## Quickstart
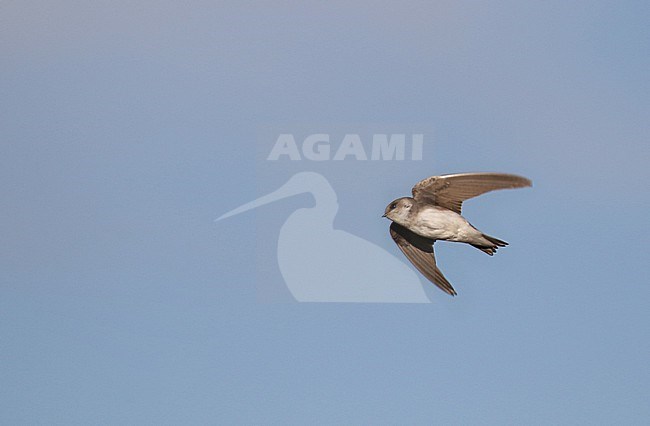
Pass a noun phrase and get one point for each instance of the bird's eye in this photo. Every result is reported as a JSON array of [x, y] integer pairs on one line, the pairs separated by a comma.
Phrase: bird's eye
[[393, 206]]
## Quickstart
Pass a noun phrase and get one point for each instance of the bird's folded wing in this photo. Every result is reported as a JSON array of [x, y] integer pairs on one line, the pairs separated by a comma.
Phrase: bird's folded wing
[[449, 191], [419, 250]]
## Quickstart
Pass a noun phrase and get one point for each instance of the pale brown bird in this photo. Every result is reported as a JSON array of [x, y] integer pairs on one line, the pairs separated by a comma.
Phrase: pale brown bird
[[433, 213]]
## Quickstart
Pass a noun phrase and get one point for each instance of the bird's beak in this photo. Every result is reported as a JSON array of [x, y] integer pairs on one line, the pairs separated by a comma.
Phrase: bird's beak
[[383, 215]]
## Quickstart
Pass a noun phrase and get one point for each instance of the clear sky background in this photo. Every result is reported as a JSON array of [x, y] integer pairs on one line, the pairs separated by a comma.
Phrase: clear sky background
[[126, 128]]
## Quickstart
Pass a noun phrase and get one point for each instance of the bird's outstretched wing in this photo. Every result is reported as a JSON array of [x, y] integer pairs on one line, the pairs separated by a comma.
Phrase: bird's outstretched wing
[[449, 191], [419, 250]]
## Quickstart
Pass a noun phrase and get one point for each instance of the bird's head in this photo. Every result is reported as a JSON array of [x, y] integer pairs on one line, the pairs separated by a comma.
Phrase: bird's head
[[399, 210]]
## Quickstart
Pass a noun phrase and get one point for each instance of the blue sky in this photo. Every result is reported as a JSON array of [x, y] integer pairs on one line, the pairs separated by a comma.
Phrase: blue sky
[[127, 128]]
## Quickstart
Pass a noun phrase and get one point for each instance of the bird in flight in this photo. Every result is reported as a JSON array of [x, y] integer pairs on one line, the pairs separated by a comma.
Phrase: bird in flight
[[433, 213]]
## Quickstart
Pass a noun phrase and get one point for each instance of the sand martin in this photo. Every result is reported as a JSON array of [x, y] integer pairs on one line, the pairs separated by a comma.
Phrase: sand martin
[[433, 213]]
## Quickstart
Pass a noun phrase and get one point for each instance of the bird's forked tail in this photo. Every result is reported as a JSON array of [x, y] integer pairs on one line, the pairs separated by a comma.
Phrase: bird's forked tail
[[491, 248]]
